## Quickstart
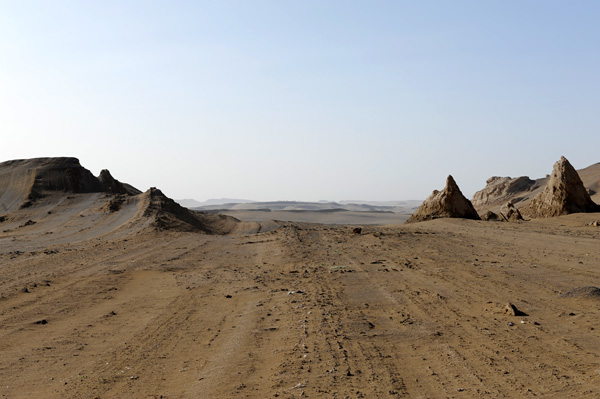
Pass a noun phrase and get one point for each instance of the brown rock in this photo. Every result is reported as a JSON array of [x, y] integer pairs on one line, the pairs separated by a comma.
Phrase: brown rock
[[448, 203], [169, 215], [511, 213], [512, 310], [113, 185], [490, 216], [25, 181], [586, 292], [500, 189], [564, 193]]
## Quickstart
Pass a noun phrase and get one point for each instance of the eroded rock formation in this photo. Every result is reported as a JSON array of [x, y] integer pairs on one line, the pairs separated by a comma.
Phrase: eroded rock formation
[[448, 203], [501, 189], [511, 213], [564, 193]]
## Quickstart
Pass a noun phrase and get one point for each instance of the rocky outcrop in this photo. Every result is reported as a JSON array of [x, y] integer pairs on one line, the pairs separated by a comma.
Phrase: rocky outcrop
[[448, 203], [564, 194], [24, 181], [511, 213], [169, 215], [114, 186], [583, 292], [490, 216], [110, 182], [63, 174], [501, 189], [508, 213]]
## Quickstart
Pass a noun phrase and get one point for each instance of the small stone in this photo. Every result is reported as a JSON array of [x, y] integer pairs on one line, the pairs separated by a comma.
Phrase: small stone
[[513, 311]]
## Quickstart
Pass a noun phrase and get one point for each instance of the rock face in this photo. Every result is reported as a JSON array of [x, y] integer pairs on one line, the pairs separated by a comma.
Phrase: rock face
[[448, 203], [62, 174], [115, 186], [501, 189], [564, 193], [24, 181]]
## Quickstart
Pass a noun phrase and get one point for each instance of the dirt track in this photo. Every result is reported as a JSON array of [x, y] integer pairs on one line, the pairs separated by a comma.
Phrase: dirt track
[[121, 311]]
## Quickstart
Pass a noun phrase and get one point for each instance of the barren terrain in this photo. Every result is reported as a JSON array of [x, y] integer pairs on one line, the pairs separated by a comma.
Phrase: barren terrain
[[102, 304], [320, 217]]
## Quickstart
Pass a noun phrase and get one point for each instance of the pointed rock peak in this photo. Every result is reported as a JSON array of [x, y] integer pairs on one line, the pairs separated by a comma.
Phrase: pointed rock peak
[[452, 187], [564, 160], [451, 183], [168, 215], [166, 211], [160, 201], [564, 193], [110, 183], [564, 170], [105, 175], [113, 185], [448, 203], [156, 193]]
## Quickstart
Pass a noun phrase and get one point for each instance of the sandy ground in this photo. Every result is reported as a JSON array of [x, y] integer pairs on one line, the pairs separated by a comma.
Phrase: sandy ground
[[321, 217], [117, 310]]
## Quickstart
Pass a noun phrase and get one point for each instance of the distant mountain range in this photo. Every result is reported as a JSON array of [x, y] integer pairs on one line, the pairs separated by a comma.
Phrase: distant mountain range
[[354, 206], [192, 203]]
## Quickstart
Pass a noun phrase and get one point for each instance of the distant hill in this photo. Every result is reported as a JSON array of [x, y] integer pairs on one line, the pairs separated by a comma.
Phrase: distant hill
[[391, 207], [192, 203]]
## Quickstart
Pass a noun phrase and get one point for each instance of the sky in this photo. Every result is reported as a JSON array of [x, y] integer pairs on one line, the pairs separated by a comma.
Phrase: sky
[[302, 99]]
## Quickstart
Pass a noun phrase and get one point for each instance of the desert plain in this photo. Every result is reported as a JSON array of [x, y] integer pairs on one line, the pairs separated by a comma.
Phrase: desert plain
[[106, 295]]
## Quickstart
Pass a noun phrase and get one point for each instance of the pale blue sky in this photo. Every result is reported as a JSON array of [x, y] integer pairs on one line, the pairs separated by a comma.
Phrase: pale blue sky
[[302, 100]]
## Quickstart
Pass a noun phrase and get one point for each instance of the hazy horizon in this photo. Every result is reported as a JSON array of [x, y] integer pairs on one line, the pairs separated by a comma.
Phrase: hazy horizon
[[211, 201], [302, 100]]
